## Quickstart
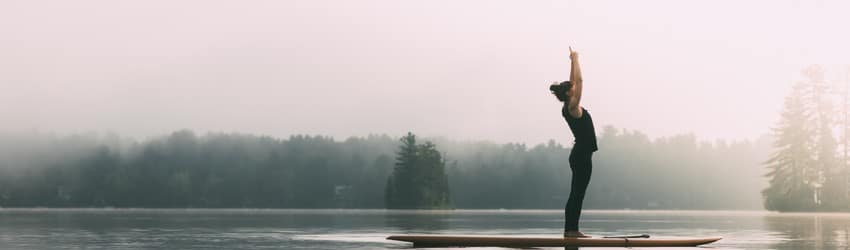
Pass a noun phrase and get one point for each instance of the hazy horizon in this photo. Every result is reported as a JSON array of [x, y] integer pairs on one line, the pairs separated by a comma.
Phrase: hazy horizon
[[474, 70]]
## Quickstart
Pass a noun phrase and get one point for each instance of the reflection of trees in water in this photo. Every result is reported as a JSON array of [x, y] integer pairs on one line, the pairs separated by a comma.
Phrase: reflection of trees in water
[[418, 221], [811, 231]]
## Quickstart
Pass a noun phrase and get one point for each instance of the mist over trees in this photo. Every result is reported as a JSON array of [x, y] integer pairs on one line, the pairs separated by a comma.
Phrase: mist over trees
[[216, 170], [809, 167]]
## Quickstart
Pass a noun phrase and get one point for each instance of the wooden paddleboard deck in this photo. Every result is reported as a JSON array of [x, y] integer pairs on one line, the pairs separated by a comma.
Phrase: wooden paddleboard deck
[[518, 241]]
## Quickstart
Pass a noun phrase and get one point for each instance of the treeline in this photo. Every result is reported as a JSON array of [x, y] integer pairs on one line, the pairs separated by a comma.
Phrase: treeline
[[238, 170]]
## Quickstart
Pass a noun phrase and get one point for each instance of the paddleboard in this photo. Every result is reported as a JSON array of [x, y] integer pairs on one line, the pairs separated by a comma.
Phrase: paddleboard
[[521, 241]]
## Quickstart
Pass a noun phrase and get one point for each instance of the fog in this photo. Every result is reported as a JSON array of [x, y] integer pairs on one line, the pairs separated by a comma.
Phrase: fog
[[470, 70], [219, 170]]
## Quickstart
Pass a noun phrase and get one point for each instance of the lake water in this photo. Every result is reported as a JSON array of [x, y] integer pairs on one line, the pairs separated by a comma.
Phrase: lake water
[[366, 229]]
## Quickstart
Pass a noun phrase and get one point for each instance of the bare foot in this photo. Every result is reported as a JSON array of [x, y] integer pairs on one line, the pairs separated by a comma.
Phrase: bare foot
[[575, 234]]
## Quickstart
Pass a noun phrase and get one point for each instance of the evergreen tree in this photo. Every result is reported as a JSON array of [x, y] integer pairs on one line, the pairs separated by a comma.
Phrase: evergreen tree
[[818, 101], [419, 179], [827, 178], [432, 183], [399, 192], [791, 164]]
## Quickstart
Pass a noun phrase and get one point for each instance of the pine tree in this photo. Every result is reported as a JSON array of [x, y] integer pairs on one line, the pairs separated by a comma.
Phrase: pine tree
[[818, 103], [400, 193], [828, 177], [791, 171], [433, 184], [418, 179]]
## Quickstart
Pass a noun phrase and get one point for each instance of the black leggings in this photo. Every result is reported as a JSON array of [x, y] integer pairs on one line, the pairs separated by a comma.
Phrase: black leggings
[[581, 165]]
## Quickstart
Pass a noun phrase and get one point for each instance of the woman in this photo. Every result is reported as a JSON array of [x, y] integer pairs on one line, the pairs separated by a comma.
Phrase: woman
[[581, 126]]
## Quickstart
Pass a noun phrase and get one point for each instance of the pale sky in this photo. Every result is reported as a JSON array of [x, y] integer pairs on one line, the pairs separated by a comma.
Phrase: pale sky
[[468, 70]]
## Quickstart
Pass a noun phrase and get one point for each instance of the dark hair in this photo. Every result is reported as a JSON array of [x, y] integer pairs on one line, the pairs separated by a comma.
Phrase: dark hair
[[560, 90]]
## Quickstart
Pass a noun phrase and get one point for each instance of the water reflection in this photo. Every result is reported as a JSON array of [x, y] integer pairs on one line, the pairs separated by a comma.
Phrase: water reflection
[[366, 229], [417, 222], [810, 231]]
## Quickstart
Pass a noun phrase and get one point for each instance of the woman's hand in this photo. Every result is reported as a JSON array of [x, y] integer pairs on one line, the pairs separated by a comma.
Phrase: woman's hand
[[573, 54]]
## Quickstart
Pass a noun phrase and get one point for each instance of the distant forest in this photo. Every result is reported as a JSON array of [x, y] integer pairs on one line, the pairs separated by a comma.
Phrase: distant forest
[[218, 170]]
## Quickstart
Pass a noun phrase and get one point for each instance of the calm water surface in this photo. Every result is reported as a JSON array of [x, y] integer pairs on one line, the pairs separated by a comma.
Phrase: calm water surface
[[366, 229]]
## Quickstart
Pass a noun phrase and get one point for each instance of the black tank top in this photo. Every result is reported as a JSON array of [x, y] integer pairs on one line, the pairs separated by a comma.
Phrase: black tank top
[[582, 129]]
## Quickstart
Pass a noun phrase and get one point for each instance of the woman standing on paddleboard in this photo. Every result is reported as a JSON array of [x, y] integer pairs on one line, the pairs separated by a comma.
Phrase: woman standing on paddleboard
[[581, 125]]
